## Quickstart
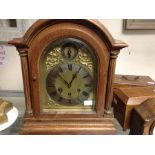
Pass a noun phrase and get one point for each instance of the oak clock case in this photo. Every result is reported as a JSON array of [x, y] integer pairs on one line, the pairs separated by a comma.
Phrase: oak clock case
[[68, 79], [152, 129], [68, 69]]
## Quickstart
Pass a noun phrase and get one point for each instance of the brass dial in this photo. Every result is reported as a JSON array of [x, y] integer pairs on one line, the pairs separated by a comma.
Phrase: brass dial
[[69, 84], [68, 81]]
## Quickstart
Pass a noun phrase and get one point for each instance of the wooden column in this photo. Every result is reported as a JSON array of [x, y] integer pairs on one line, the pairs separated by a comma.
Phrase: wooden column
[[111, 74], [25, 70]]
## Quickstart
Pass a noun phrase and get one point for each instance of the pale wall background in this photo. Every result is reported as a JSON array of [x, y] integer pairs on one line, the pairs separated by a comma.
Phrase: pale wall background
[[137, 59]]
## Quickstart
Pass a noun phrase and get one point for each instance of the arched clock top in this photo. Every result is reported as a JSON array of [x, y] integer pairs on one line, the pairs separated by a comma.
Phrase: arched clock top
[[92, 24]]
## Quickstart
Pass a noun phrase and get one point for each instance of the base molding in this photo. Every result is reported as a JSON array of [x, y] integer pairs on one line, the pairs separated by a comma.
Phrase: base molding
[[82, 126]]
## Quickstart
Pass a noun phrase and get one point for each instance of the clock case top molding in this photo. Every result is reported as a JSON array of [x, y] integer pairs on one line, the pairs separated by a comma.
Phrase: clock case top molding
[[30, 48]]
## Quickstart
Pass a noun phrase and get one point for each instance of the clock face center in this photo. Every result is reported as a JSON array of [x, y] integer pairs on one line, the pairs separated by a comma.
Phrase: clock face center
[[72, 88]]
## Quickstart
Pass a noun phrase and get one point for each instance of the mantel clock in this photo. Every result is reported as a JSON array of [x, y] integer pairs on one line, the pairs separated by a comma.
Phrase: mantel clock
[[68, 68]]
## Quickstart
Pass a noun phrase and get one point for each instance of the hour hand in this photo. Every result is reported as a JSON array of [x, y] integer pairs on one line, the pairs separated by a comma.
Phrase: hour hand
[[73, 77], [64, 80]]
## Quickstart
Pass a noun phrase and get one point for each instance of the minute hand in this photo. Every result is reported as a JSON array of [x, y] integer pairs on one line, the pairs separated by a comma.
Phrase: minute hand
[[64, 80], [74, 76]]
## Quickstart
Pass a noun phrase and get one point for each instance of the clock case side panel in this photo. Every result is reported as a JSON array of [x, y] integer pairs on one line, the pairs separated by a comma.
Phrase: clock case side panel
[[22, 48], [63, 30], [110, 81]]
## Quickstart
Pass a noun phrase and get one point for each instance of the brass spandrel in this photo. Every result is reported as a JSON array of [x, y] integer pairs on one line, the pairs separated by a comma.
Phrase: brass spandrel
[[85, 59], [53, 58]]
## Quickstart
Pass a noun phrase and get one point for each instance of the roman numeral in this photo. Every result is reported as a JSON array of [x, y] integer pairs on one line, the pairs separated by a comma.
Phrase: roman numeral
[[85, 93], [51, 85], [53, 93], [51, 78], [60, 69], [85, 76], [60, 99], [70, 67], [69, 101], [88, 85], [79, 70], [69, 94], [60, 90]]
